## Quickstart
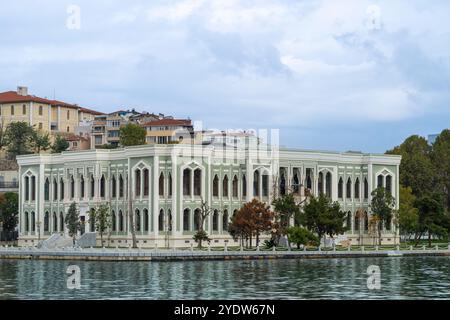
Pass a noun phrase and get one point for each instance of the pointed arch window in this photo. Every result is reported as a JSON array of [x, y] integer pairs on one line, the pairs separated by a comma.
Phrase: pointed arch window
[[256, 184], [197, 182], [72, 187], [169, 217], [46, 222], [61, 189], [161, 184], [120, 221], [146, 220], [61, 222], [340, 188], [102, 186], [47, 190], [235, 187], [138, 220], [244, 186], [366, 189], [161, 220], [216, 186], [92, 186], [137, 185], [320, 183], [225, 220], [146, 182], [82, 186], [215, 226], [328, 185], [170, 184], [55, 189], [197, 219], [187, 182], [389, 184], [55, 222], [357, 187], [121, 186], [186, 220], [113, 187], [265, 185], [348, 190], [225, 187]]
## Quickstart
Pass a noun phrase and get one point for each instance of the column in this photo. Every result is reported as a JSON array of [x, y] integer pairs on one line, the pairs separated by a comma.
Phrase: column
[[155, 181]]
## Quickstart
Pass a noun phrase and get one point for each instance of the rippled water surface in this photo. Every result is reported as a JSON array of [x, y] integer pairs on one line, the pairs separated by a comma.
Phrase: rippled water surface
[[401, 278]]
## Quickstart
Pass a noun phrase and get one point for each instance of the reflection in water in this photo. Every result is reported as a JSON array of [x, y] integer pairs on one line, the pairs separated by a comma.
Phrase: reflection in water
[[401, 278]]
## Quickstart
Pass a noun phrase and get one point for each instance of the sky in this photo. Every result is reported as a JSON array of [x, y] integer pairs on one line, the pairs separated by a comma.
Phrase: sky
[[330, 75]]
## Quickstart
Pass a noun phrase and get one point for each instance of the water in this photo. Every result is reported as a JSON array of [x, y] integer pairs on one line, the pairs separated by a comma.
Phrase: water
[[401, 278]]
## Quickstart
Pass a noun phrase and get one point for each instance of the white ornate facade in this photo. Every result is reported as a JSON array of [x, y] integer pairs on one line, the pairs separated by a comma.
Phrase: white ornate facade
[[167, 183]]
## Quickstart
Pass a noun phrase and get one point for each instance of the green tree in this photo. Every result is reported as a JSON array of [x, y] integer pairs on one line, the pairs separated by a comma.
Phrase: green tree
[[9, 209], [73, 221], [408, 215], [432, 219], [323, 217], [101, 217], [132, 135], [60, 144], [201, 235], [18, 137], [440, 156], [416, 168], [301, 236], [382, 206], [285, 208], [40, 141]]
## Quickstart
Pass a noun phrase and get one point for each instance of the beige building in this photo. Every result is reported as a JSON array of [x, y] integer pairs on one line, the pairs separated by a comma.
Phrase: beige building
[[51, 116], [166, 131]]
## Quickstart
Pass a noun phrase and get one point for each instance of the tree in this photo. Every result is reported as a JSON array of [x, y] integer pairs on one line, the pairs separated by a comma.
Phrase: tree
[[440, 157], [323, 217], [253, 219], [40, 141], [101, 219], [201, 235], [132, 135], [416, 169], [285, 208], [72, 221], [18, 137], [301, 236], [382, 206], [60, 144], [9, 209], [408, 215], [432, 220]]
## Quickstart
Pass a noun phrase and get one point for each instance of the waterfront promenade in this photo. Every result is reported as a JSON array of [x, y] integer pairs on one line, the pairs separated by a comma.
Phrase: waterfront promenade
[[128, 254]]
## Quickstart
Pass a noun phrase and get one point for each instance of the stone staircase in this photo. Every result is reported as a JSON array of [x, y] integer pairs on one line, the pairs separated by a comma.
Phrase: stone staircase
[[87, 240], [56, 241]]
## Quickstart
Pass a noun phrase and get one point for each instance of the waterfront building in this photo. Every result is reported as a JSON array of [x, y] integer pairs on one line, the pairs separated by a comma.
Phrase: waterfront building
[[163, 186]]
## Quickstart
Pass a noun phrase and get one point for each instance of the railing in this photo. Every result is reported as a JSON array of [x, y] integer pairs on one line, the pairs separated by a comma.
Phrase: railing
[[9, 185]]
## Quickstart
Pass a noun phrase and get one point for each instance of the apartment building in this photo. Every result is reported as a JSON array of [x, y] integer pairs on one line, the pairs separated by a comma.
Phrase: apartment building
[[169, 130]]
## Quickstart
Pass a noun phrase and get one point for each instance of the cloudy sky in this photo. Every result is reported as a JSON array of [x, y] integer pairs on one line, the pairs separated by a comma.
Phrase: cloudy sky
[[333, 75]]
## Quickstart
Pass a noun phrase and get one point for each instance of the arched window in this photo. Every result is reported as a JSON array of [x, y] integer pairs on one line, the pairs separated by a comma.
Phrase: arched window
[[55, 222], [215, 226], [61, 222], [328, 185], [137, 184], [389, 184], [72, 187], [120, 221], [27, 222], [146, 220], [187, 182], [27, 188], [47, 190], [256, 191], [24, 109], [33, 188], [92, 186], [61, 189], [380, 181], [197, 219], [161, 220], [121, 186], [197, 182], [225, 187], [170, 184], [216, 186], [357, 221], [113, 221], [348, 190], [82, 187], [138, 220], [225, 220], [357, 188], [244, 186], [92, 220], [366, 189], [265, 185], [102, 186], [309, 178], [46, 222], [235, 187], [146, 182], [320, 183], [282, 184], [113, 187], [186, 220], [366, 221], [33, 221], [161, 184], [169, 217], [296, 183], [349, 221], [55, 189], [340, 188]]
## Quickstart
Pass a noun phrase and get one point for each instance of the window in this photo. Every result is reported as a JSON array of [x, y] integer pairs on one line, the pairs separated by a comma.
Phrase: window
[[12, 110], [244, 186], [82, 187], [113, 187], [24, 109], [320, 183], [40, 125], [197, 182], [46, 222], [309, 178], [61, 222], [68, 114], [380, 181], [27, 188], [389, 184], [61, 189], [235, 187], [27, 222], [225, 187], [113, 221], [68, 129], [55, 189], [72, 188], [296, 183], [120, 186], [357, 188], [92, 186], [197, 219], [138, 220], [146, 220], [170, 185], [120, 221], [216, 186], [161, 220], [137, 184], [47, 190], [349, 189], [40, 110], [186, 220], [98, 140], [282, 184], [265, 185], [33, 188], [161, 184], [328, 185], [366, 189], [225, 221], [187, 182], [215, 226], [102, 187], [55, 222], [256, 183], [169, 227], [340, 188]]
